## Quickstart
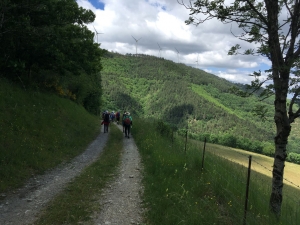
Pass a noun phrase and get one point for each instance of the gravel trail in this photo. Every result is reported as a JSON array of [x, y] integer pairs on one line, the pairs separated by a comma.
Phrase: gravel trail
[[121, 200], [22, 206]]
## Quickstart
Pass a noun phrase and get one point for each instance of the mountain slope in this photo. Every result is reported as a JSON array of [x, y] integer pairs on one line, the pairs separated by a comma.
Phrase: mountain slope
[[185, 97]]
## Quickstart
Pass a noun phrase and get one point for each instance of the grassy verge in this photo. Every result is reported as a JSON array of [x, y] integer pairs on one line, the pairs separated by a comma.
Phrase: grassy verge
[[178, 191], [80, 198], [37, 132], [175, 190]]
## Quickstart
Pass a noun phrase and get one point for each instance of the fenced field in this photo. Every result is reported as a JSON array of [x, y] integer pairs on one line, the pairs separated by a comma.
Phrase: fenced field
[[261, 163], [183, 187], [259, 181]]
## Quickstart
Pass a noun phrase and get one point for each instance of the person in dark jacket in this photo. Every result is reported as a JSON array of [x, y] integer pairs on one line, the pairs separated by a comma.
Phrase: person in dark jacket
[[106, 121], [118, 117], [127, 121], [123, 121]]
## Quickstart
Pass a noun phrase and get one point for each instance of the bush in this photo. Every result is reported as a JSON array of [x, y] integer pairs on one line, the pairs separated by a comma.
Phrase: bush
[[293, 157], [228, 140], [268, 149], [164, 129]]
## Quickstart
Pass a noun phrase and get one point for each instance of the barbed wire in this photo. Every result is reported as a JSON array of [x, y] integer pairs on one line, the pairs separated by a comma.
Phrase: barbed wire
[[293, 199], [225, 169], [253, 160], [292, 183]]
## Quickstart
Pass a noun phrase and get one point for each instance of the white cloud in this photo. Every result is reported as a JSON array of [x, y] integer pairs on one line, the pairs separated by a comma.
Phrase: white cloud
[[162, 21]]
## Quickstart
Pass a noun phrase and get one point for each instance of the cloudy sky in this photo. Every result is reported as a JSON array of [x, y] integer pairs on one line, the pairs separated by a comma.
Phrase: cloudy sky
[[159, 24]]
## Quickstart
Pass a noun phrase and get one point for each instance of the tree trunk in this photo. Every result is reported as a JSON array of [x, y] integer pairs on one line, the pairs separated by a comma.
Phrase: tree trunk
[[283, 129], [277, 182]]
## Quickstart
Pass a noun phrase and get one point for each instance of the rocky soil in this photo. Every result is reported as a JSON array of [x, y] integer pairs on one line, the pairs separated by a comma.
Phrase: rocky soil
[[120, 203]]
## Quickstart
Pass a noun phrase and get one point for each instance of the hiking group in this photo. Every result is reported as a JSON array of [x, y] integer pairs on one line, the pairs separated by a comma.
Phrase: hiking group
[[109, 117]]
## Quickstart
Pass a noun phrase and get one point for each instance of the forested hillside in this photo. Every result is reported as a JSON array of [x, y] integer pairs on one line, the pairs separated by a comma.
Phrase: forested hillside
[[187, 98]]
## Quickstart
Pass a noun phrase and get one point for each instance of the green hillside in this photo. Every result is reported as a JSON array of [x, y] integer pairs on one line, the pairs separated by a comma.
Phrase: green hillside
[[38, 131], [186, 97]]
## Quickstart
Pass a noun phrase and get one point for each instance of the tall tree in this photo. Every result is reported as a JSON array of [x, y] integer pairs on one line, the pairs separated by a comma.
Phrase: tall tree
[[48, 35], [274, 26], [52, 36]]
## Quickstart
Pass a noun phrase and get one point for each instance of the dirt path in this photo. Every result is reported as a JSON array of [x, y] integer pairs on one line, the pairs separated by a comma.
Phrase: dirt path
[[120, 202]]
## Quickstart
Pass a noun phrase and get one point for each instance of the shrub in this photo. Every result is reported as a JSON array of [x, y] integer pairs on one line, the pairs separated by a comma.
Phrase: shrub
[[293, 157]]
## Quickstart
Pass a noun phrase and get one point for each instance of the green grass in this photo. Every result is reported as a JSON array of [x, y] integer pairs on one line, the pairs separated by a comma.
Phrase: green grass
[[175, 192], [37, 132], [80, 198], [200, 91], [178, 191]]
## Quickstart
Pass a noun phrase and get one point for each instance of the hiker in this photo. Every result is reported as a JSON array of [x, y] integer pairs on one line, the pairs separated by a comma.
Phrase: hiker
[[112, 116], [123, 121], [106, 121], [118, 117], [127, 121]]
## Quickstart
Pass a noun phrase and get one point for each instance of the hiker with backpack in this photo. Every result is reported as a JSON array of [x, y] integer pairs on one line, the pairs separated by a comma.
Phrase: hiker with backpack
[[127, 123], [112, 116], [106, 120], [118, 117], [123, 121]]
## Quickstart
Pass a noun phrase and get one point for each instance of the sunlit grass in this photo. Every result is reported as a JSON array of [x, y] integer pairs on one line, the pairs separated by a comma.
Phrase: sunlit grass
[[200, 91], [178, 191], [261, 163]]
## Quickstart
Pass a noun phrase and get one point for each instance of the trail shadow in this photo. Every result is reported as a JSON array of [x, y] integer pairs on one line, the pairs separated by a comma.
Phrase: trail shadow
[[126, 102], [178, 115]]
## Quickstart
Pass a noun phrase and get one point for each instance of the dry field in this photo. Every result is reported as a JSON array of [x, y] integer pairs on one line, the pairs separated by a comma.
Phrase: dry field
[[260, 163]]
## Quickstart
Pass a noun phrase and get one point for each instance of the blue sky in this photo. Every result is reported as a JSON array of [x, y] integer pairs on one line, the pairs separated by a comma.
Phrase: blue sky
[[160, 23], [97, 4]]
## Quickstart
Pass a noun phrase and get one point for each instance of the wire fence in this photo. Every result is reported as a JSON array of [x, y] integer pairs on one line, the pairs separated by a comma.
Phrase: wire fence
[[244, 184]]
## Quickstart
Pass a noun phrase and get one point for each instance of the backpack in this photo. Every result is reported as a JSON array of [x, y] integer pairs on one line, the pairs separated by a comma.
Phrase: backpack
[[106, 117], [127, 121]]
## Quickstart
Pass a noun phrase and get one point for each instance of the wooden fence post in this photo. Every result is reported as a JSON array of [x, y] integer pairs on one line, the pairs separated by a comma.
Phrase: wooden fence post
[[203, 152], [172, 137], [247, 190], [185, 141]]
